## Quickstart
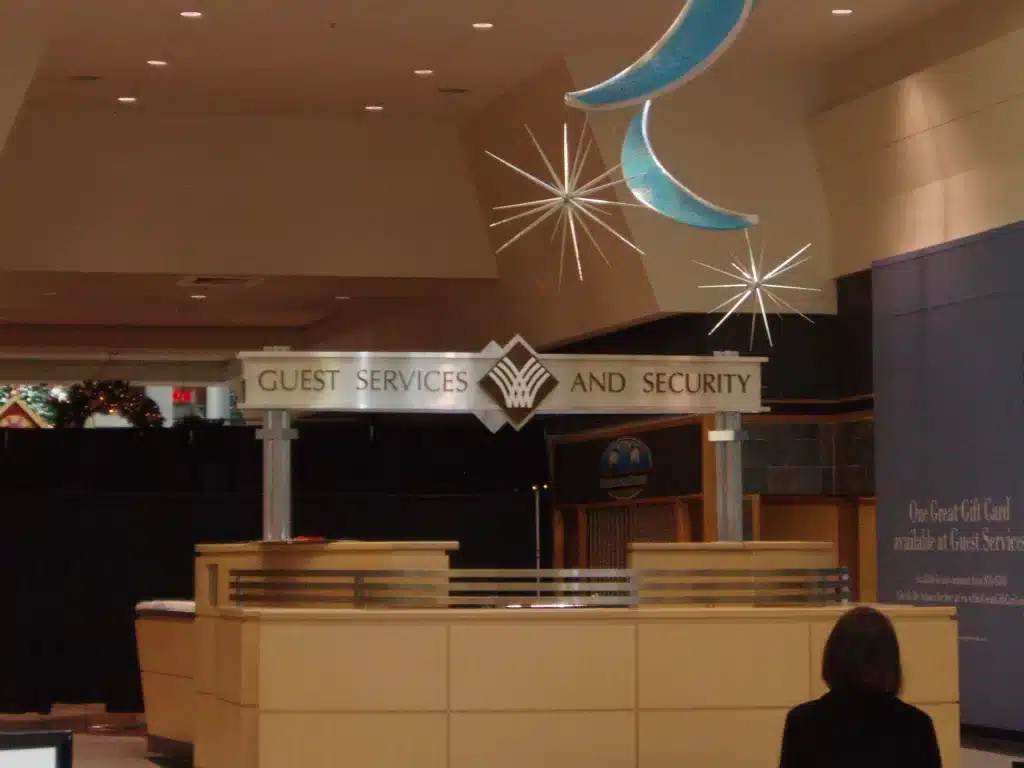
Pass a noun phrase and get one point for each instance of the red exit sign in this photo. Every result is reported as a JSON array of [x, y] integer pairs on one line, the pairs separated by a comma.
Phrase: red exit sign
[[182, 395]]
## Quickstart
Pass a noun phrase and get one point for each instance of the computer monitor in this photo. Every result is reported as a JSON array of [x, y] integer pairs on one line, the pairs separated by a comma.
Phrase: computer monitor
[[35, 749]]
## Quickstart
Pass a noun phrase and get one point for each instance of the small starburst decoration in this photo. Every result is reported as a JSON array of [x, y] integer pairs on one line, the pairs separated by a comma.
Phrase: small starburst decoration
[[755, 284], [573, 202]]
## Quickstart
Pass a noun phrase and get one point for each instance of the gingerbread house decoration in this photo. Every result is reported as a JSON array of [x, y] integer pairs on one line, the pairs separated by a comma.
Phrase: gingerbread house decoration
[[17, 414]]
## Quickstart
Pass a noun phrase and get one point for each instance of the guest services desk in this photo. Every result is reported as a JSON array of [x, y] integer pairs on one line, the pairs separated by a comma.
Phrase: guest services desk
[[403, 687], [176, 639], [504, 688]]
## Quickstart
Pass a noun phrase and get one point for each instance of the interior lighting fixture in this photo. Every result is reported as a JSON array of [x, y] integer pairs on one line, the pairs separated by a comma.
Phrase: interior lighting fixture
[[198, 296], [156, 63], [423, 72], [192, 14], [483, 25], [842, 11], [127, 99], [341, 298], [374, 108]]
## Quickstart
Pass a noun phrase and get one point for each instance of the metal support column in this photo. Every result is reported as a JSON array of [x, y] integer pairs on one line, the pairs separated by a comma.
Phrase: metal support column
[[277, 435], [728, 436]]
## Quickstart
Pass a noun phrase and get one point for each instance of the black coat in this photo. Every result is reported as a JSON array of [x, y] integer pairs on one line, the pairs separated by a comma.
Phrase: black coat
[[859, 730]]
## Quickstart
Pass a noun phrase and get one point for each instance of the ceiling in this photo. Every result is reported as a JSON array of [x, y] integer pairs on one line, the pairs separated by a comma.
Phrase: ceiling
[[62, 298], [328, 58]]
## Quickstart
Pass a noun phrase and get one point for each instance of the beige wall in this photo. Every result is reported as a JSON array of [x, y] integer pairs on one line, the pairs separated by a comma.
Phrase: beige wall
[[131, 193], [934, 156], [919, 144], [945, 35], [21, 47], [510, 689], [534, 305]]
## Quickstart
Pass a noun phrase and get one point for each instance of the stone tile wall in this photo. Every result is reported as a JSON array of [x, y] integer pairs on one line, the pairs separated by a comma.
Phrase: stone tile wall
[[810, 459]]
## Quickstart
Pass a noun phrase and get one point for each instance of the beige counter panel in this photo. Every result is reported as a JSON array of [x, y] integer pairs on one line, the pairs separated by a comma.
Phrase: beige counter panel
[[166, 646], [522, 666], [536, 739], [753, 556], [215, 561], [607, 688], [360, 666], [728, 555], [720, 662]]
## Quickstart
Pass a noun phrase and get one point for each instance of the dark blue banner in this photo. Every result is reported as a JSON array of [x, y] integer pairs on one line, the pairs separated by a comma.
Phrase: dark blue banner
[[949, 412]]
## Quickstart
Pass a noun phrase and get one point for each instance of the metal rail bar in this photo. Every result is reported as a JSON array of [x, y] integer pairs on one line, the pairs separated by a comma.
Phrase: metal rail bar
[[533, 575], [607, 587]]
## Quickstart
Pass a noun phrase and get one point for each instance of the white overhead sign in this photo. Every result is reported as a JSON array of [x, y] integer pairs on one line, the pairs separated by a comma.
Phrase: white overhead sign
[[501, 384]]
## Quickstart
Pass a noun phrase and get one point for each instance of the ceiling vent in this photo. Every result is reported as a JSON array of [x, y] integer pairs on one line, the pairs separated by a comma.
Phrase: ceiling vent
[[216, 283], [453, 91]]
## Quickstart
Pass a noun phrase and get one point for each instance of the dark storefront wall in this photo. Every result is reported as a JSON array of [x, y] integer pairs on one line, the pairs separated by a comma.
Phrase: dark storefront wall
[[582, 474]]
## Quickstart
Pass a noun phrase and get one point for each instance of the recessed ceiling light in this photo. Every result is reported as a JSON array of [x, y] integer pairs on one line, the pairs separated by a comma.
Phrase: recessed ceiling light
[[374, 108], [50, 293], [127, 99], [842, 11], [192, 14], [423, 72], [198, 296], [156, 63], [341, 298], [483, 25]]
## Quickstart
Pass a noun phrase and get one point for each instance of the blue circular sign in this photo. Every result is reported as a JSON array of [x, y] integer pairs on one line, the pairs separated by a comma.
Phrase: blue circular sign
[[625, 466]]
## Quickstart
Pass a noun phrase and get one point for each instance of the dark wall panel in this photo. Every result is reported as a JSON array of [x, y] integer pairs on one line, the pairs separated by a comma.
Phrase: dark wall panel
[[854, 335], [664, 463], [95, 521]]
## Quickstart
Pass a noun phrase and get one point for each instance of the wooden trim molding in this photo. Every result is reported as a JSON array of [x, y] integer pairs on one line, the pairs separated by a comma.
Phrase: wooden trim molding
[[654, 424], [709, 481], [557, 538], [812, 401], [651, 425], [582, 539], [681, 513], [640, 502], [807, 418], [798, 500]]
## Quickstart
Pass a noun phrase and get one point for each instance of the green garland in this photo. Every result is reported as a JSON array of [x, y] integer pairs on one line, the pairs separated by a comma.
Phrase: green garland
[[83, 400]]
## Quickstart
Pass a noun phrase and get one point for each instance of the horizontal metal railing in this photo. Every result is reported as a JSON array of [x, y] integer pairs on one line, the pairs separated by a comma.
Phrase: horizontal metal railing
[[547, 588]]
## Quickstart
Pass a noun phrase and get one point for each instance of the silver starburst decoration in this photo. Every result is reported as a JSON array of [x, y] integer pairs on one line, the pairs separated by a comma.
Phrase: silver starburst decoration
[[755, 284], [573, 202]]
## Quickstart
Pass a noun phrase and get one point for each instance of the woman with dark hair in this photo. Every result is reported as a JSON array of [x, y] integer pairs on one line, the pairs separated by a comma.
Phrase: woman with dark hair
[[860, 722]]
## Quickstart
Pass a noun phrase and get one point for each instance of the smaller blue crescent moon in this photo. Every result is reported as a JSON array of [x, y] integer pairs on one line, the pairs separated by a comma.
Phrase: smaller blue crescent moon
[[656, 188], [700, 34]]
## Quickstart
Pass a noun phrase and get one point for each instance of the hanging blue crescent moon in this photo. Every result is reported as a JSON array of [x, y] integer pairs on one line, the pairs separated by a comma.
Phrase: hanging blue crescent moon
[[656, 188], [701, 33]]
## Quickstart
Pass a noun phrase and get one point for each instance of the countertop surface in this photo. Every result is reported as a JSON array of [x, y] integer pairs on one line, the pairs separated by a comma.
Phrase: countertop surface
[[328, 546]]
